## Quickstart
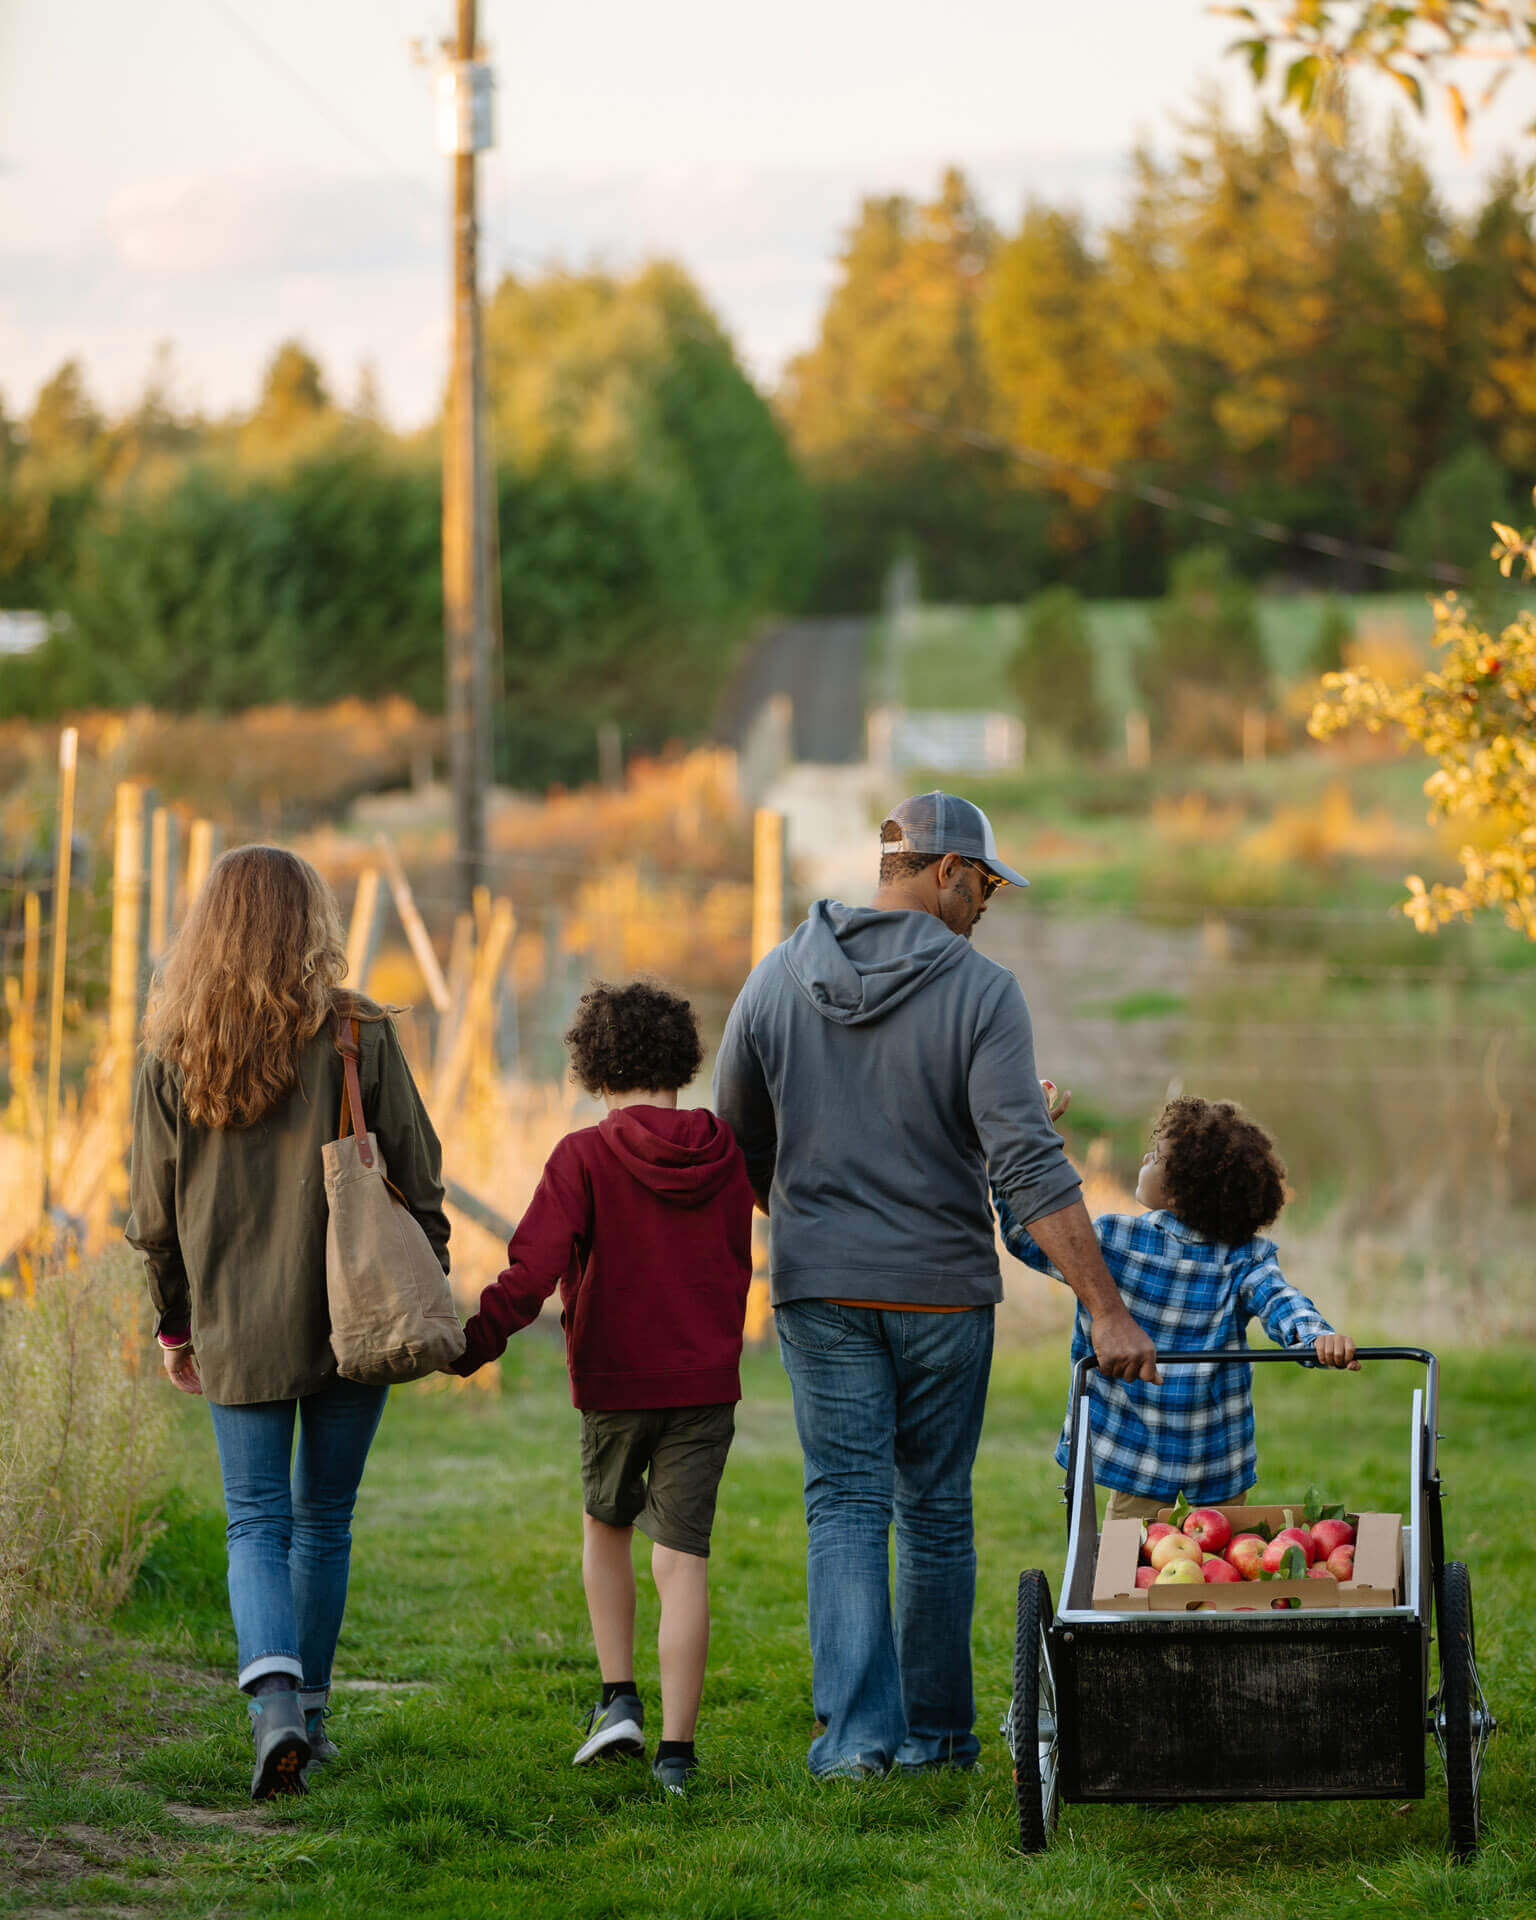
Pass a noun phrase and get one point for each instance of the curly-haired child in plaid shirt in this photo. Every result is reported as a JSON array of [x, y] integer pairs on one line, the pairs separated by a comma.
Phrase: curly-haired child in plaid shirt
[[1194, 1270]]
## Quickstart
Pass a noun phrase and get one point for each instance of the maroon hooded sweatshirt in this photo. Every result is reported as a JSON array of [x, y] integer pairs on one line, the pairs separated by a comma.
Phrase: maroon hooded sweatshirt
[[645, 1225]]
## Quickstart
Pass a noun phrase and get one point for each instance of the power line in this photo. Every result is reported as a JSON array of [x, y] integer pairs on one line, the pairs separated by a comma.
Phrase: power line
[[317, 100], [1171, 501]]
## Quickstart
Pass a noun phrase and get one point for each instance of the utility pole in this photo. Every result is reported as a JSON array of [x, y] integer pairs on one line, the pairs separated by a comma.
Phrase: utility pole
[[464, 131]]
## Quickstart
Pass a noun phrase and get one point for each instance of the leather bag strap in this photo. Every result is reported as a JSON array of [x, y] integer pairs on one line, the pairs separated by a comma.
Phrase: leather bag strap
[[347, 1043]]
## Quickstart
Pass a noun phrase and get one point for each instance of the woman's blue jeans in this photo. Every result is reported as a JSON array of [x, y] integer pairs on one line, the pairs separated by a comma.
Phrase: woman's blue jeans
[[290, 1525], [888, 1406]]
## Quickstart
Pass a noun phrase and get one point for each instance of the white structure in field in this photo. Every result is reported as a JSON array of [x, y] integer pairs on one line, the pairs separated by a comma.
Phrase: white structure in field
[[22, 632], [949, 742]]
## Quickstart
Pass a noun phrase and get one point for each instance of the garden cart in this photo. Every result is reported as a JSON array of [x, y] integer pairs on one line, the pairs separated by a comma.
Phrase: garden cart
[[1325, 1703]]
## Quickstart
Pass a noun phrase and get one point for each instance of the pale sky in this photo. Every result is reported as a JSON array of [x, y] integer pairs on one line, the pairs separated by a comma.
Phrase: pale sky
[[163, 177]]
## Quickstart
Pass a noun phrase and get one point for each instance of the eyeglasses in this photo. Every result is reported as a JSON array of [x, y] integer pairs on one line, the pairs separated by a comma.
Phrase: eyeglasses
[[990, 882]]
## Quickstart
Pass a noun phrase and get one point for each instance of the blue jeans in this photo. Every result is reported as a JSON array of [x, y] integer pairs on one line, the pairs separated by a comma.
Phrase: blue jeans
[[888, 1406], [290, 1539]]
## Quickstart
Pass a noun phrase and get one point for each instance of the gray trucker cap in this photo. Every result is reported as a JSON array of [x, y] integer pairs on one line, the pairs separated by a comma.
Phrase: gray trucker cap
[[944, 823]]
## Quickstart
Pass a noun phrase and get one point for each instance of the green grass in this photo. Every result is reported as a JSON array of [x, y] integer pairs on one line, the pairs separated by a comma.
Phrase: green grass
[[455, 1794], [959, 658]]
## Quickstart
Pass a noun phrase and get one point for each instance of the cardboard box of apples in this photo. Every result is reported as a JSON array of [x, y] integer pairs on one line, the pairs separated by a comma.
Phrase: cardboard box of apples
[[1249, 1559]]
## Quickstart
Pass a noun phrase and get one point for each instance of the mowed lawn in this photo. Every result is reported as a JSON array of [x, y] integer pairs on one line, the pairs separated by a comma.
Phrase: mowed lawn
[[122, 1788]]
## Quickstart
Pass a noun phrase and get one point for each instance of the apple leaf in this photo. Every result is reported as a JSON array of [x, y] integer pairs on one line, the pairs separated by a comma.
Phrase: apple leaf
[[1294, 1565], [1262, 1528], [1318, 1507], [1181, 1512]]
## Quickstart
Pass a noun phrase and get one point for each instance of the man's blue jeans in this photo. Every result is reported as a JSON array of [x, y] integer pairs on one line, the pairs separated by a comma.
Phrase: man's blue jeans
[[889, 1406], [290, 1525]]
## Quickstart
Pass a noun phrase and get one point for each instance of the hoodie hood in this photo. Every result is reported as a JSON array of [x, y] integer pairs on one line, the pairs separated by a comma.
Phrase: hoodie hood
[[683, 1155], [854, 964]]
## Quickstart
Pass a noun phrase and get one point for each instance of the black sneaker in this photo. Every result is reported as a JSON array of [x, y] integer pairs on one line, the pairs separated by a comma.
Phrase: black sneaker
[[674, 1771], [282, 1745], [614, 1732]]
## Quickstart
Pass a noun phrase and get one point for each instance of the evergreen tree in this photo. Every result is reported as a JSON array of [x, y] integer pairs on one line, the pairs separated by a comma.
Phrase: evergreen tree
[[1206, 660], [899, 336], [1495, 321], [63, 424], [1053, 675], [293, 411]]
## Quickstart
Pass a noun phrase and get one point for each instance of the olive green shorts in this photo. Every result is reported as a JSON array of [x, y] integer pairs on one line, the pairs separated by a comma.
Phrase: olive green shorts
[[1134, 1506], [657, 1469]]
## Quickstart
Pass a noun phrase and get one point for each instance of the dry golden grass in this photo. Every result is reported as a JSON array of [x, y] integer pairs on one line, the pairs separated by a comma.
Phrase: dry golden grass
[[82, 1416]]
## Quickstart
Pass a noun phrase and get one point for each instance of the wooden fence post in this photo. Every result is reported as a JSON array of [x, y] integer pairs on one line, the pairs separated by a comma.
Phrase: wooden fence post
[[202, 851], [1138, 739], [363, 935], [769, 864], [461, 971], [21, 1011], [124, 999], [479, 1009], [69, 741], [164, 838]]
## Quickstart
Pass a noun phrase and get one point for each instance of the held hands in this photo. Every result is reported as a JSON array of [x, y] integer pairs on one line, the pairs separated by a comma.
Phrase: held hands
[[1335, 1350], [181, 1366]]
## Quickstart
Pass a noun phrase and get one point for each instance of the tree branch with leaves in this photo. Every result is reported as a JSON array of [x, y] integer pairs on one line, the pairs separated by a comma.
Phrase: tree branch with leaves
[[1307, 46], [1475, 714]]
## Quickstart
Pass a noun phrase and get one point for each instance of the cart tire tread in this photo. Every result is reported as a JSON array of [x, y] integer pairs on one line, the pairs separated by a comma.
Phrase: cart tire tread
[[1457, 1700], [1036, 1804]]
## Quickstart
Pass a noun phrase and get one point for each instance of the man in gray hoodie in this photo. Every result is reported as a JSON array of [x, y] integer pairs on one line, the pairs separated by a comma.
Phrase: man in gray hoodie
[[876, 1069]]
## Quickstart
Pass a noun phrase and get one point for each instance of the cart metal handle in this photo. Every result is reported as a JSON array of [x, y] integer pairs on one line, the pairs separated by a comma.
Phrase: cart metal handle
[[1247, 1356]]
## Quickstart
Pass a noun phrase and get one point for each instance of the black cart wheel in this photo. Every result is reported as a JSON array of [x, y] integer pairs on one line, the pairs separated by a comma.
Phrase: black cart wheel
[[1460, 1719], [1031, 1723]]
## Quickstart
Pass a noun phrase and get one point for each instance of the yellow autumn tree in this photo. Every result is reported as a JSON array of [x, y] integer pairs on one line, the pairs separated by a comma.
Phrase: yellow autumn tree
[[1475, 715]]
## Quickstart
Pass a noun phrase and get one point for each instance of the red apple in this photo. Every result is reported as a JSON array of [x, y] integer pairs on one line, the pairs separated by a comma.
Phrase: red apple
[[1216, 1570], [1328, 1534], [1246, 1554], [1317, 1571], [1179, 1572], [1341, 1563], [1275, 1552], [1210, 1527], [1174, 1546], [1150, 1536], [1145, 1576]]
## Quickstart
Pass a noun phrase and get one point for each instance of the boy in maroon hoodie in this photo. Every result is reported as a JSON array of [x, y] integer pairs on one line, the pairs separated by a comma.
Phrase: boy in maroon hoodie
[[645, 1225]]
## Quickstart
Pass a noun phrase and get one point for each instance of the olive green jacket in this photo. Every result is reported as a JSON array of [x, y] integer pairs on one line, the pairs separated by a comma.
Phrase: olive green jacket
[[231, 1220]]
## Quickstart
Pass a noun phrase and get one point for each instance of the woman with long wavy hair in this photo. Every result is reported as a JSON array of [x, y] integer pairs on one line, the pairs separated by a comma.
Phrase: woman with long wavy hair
[[239, 1088]]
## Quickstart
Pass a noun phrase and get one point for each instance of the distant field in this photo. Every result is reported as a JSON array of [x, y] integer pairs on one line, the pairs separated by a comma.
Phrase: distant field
[[961, 654]]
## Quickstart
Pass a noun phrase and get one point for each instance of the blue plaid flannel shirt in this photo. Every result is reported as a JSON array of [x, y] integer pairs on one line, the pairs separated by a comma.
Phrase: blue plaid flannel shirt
[[1194, 1433]]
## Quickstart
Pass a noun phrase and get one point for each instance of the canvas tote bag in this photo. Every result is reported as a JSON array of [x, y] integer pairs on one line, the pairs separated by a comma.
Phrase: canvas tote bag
[[392, 1316]]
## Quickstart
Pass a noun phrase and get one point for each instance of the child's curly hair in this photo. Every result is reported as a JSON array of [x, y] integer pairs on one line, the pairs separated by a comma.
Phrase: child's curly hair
[[1220, 1169], [639, 1036]]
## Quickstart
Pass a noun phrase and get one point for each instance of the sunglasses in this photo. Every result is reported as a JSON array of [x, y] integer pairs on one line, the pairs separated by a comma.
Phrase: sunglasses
[[990, 882]]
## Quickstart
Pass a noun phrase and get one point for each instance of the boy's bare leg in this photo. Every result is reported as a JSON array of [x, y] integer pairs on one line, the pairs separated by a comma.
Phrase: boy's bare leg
[[682, 1641], [608, 1574]]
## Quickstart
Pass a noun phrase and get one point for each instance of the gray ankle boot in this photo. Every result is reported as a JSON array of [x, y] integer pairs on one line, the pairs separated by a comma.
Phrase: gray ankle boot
[[322, 1748], [282, 1744]]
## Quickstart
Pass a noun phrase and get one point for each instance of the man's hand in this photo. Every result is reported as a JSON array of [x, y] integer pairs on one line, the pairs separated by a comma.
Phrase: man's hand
[[181, 1365], [1335, 1350], [1122, 1347]]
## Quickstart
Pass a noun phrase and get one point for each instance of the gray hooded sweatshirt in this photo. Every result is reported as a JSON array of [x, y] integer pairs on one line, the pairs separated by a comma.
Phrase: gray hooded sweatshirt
[[876, 1068]]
